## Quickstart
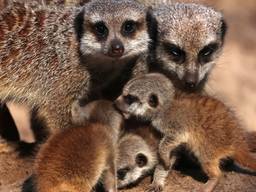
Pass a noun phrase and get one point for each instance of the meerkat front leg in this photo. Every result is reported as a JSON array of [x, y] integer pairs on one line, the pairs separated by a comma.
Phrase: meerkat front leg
[[167, 160], [159, 178], [110, 179], [110, 183]]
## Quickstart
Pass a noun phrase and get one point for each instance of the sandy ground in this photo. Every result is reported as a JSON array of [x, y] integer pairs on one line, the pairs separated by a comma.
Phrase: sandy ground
[[233, 80]]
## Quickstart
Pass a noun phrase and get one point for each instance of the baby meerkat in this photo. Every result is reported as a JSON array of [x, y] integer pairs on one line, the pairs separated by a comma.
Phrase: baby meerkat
[[202, 124], [76, 159], [136, 154], [188, 40], [50, 57]]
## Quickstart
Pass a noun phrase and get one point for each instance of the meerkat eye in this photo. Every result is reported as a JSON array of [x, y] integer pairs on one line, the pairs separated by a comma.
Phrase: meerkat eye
[[100, 29], [130, 99], [175, 52], [141, 160], [206, 53], [129, 27], [153, 101]]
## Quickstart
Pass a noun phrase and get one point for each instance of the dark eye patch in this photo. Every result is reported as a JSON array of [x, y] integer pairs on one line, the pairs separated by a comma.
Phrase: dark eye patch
[[129, 27], [121, 173], [206, 53], [176, 53], [141, 160], [100, 30], [153, 101], [130, 99]]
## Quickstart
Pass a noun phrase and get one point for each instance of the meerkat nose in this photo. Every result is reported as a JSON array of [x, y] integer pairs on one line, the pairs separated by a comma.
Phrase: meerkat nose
[[190, 80], [116, 48]]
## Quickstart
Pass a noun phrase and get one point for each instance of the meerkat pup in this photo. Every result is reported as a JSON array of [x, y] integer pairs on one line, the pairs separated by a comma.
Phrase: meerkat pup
[[188, 40], [50, 57], [136, 154], [76, 159], [201, 123]]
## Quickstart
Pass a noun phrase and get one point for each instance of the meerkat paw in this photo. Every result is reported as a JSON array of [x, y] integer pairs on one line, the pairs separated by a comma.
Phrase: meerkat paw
[[75, 108], [154, 188], [77, 113]]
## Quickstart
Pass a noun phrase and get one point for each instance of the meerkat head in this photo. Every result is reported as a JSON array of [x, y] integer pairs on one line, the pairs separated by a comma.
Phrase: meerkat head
[[112, 29], [190, 38], [145, 96], [101, 111], [135, 160]]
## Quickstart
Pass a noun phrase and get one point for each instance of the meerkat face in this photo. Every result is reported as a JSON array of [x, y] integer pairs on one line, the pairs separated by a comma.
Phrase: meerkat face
[[113, 29], [145, 96], [135, 160], [190, 38]]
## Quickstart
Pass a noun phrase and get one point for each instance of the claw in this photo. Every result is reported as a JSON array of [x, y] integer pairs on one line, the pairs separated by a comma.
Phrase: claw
[[154, 188]]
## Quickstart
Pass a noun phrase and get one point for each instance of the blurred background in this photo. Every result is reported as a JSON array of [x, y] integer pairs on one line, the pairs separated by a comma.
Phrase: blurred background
[[234, 77]]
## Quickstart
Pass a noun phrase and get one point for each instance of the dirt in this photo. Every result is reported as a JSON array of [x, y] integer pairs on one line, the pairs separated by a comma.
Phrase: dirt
[[233, 81]]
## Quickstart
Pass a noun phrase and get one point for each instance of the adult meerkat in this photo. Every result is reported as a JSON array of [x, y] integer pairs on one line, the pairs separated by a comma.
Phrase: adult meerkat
[[47, 60], [136, 154], [202, 124], [188, 40], [78, 158], [5, 3]]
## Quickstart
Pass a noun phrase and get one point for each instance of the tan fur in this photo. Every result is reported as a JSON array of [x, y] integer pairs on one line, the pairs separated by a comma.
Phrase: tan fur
[[203, 124], [44, 63], [76, 159]]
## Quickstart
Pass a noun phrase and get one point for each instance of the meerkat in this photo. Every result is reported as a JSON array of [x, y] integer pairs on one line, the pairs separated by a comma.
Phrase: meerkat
[[78, 158], [5, 3], [188, 38], [136, 154], [49, 57], [202, 124]]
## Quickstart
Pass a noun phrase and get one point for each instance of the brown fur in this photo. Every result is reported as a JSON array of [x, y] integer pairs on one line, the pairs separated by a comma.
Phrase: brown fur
[[44, 64], [203, 124], [75, 159], [251, 140]]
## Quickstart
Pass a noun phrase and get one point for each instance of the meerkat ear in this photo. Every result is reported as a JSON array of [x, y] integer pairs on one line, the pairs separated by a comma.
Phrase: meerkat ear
[[223, 29], [78, 25]]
